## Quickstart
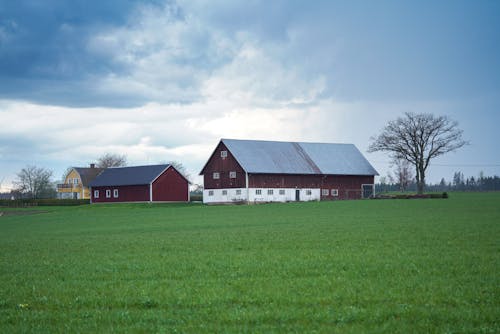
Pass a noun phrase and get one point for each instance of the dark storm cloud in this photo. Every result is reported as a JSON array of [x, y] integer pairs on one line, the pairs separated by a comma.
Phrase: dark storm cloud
[[43, 57], [115, 53]]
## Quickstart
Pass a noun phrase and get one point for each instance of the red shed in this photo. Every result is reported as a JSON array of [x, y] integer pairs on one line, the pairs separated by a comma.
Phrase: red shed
[[154, 183], [271, 171]]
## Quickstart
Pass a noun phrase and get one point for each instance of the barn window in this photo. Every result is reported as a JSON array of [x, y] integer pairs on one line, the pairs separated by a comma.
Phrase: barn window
[[232, 175], [223, 154], [270, 191], [325, 192], [115, 193], [210, 193], [308, 192], [282, 191], [335, 192], [216, 176], [258, 191], [224, 192], [108, 193], [96, 193], [238, 191]]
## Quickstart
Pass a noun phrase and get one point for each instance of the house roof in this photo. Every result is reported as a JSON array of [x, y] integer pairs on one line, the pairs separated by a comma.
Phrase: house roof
[[87, 174], [128, 176], [256, 156]]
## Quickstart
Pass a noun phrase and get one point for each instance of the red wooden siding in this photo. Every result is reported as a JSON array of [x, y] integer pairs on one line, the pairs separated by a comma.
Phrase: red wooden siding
[[223, 166], [138, 193], [348, 186], [170, 186]]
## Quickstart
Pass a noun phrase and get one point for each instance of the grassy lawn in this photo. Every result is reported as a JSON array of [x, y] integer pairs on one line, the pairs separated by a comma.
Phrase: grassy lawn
[[375, 266]]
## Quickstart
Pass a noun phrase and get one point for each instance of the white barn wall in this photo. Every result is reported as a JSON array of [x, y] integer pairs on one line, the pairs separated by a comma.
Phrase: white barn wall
[[232, 196]]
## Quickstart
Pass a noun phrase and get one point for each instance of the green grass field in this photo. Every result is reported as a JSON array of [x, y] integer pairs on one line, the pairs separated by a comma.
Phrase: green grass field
[[374, 266]]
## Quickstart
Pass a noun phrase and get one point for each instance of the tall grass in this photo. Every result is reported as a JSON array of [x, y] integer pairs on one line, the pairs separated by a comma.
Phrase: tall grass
[[350, 267]]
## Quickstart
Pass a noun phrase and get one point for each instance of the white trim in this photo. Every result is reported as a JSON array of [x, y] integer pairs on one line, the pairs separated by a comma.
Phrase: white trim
[[151, 192], [163, 171]]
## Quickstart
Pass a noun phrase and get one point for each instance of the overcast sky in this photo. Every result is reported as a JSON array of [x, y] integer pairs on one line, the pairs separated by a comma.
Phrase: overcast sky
[[165, 80]]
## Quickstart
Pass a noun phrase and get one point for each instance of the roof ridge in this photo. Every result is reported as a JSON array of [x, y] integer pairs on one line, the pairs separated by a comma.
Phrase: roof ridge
[[284, 142]]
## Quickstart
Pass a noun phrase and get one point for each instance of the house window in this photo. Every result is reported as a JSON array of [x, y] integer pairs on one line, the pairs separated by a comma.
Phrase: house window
[[216, 176], [75, 181], [232, 175], [270, 191], [224, 192], [108, 193], [210, 193], [96, 193], [223, 154], [335, 192], [115, 193], [325, 192], [282, 191], [238, 191], [258, 191], [308, 192]]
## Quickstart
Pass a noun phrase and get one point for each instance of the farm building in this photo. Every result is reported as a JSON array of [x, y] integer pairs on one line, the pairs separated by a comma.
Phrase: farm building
[[270, 171], [77, 182], [155, 183]]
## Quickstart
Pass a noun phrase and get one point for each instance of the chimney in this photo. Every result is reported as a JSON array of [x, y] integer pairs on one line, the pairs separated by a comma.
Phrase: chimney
[[92, 165]]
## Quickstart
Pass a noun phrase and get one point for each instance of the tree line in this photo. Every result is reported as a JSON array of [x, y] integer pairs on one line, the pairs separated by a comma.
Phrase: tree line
[[458, 183], [37, 183]]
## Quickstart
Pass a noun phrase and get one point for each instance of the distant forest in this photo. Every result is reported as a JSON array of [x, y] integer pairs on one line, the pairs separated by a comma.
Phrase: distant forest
[[459, 183]]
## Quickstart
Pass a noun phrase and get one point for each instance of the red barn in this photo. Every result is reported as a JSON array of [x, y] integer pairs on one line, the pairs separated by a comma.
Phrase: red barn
[[270, 171], [155, 183]]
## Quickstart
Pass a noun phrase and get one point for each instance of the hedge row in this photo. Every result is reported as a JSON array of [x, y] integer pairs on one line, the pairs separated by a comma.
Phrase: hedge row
[[412, 196], [196, 197], [42, 202]]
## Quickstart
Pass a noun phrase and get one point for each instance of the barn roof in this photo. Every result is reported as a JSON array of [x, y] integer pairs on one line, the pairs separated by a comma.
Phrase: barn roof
[[129, 176], [256, 156], [88, 174]]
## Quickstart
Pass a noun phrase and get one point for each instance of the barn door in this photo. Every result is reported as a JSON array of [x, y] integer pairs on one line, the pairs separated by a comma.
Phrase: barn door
[[367, 190], [297, 195]]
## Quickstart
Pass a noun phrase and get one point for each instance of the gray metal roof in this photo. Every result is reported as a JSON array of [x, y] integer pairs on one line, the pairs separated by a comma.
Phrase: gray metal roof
[[256, 156], [128, 176]]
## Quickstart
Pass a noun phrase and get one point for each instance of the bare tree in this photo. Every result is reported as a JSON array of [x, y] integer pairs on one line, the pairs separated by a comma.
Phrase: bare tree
[[418, 138], [35, 182], [403, 173], [111, 160]]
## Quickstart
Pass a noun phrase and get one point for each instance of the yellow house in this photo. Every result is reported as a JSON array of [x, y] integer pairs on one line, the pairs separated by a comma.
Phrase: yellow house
[[76, 182]]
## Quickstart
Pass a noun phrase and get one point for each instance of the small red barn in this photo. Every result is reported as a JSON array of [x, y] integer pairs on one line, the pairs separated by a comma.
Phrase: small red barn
[[154, 183], [271, 171]]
